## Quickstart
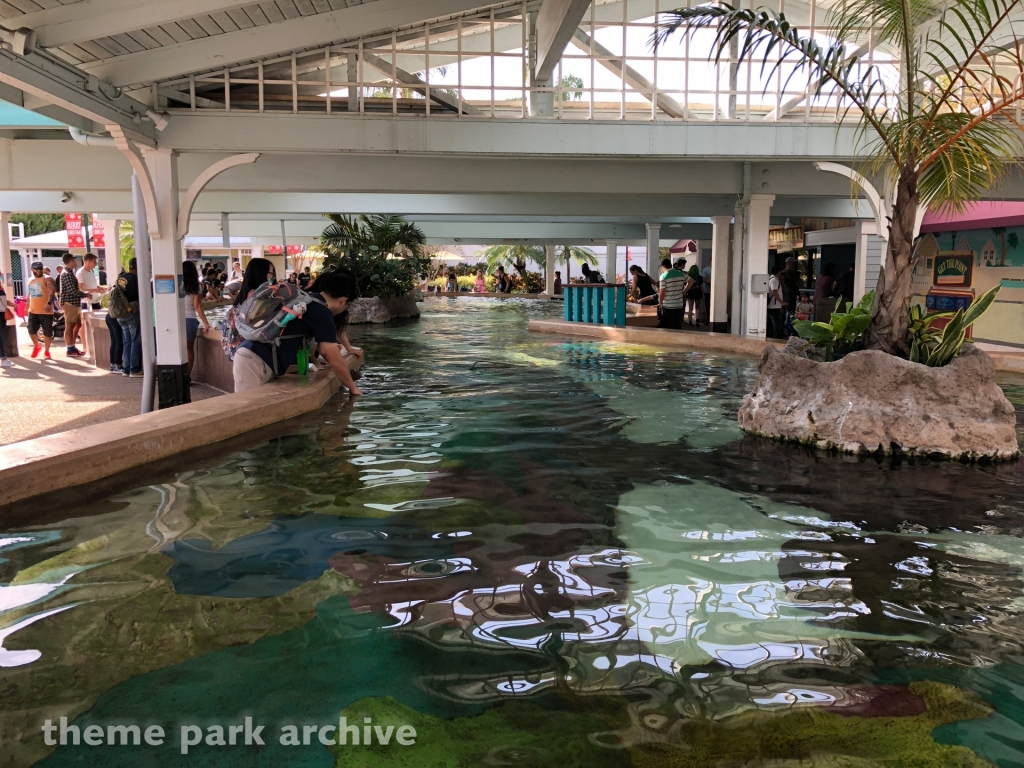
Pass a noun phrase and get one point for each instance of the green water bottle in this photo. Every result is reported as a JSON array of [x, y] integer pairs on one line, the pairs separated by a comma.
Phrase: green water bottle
[[302, 361]]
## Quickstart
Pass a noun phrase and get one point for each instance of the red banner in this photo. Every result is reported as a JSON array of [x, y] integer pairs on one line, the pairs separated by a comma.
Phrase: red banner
[[293, 250], [73, 224], [96, 230]]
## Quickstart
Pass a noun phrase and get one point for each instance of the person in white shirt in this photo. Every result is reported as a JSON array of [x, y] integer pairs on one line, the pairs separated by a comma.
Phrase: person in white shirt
[[89, 285]]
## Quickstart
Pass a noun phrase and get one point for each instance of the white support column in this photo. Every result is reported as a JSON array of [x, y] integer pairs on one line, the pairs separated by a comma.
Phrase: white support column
[[653, 255], [611, 260], [717, 315], [225, 230], [353, 76], [755, 262], [284, 251], [166, 255], [549, 270], [736, 287], [10, 338], [6, 268]]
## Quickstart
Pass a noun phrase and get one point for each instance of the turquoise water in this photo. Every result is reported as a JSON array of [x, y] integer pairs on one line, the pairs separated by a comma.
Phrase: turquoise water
[[532, 550]]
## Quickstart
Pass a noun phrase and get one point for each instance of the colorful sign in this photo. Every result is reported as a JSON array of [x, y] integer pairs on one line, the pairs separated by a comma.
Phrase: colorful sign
[[96, 230], [73, 224], [293, 250], [953, 269]]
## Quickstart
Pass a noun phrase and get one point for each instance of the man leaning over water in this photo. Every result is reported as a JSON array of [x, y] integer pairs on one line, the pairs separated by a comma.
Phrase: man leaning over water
[[254, 361]]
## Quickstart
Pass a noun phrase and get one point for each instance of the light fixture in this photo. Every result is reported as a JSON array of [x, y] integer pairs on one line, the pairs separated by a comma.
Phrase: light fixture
[[788, 224], [66, 197]]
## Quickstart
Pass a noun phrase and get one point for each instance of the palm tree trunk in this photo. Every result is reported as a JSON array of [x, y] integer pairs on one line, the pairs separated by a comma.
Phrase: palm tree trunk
[[890, 315]]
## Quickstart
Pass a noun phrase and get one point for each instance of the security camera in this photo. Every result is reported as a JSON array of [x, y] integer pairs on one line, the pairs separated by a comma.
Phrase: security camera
[[22, 41], [159, 119], [66, 197]]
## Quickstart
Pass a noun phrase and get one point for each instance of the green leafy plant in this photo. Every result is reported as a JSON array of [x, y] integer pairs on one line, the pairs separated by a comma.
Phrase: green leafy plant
[[935, 347], [515, 257], [843, 331], [384, 253], [941, 135]]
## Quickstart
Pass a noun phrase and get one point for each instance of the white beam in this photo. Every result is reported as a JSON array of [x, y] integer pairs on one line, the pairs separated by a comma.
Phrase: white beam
[[556, 23], [59, 83], [341, 132], [92, 19], [634, 79], [270, 39], [418, 84]]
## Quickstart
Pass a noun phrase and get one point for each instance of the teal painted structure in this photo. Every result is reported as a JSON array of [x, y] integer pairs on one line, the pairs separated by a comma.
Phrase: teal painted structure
[[598, 303]]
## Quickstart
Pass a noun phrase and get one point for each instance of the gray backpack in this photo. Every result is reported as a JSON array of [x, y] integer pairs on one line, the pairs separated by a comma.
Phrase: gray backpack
[[266, 312]]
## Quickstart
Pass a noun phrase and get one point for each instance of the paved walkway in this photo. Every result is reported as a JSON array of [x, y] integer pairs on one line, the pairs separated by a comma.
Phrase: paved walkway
[[40, 397]]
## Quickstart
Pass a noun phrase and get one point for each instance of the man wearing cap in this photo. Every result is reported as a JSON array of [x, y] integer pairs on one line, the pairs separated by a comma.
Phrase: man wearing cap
[[70, 304], [41, 291]]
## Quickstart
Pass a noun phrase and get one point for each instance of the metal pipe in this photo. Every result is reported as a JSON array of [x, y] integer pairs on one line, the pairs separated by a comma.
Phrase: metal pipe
[[145, 274], [89, 140]]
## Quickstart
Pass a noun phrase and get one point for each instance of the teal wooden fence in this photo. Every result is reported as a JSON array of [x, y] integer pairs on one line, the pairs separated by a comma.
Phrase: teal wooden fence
[[599, 303]]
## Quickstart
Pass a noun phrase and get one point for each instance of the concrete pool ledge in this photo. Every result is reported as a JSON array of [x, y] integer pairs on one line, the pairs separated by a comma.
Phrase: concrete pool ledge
[[56, 462], [657, 337], [1005, 361]]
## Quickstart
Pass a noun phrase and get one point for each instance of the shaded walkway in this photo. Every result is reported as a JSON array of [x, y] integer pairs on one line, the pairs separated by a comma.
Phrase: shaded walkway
[[40, 397]]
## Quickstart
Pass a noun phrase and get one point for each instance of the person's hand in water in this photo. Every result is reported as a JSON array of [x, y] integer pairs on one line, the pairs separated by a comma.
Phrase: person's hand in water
[[355, 391]]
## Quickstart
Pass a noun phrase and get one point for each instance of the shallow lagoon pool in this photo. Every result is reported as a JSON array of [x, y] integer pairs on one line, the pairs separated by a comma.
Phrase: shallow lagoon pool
[[532, 550]]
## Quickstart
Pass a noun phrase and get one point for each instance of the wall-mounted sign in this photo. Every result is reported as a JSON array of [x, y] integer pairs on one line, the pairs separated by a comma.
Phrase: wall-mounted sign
[[953, 269], [163, 284], [785, 239], [293, 250]]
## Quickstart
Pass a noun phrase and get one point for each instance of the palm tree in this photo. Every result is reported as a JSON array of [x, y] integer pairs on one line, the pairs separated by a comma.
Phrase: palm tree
[[934, 139], [515, 256], [565, 253], [384, 253], [1005, 243], [378, 234]]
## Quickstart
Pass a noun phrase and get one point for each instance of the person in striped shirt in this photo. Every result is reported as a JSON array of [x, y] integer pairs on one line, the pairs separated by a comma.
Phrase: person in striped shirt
[[671, 295]]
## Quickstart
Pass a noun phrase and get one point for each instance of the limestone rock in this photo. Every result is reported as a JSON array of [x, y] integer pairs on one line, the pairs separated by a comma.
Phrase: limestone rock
[[870, 401], [370, 310], [402, 306]]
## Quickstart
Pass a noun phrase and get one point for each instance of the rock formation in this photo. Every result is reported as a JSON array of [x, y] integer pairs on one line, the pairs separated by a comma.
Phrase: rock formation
[[870, 401], [370, 310]]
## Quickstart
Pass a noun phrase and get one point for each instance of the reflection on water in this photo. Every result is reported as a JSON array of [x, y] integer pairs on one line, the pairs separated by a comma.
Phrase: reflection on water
[[534, 550]]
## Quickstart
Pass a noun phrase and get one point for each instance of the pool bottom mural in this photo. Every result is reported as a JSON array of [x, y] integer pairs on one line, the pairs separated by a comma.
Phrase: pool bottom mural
[[970, 262], [500, 565]]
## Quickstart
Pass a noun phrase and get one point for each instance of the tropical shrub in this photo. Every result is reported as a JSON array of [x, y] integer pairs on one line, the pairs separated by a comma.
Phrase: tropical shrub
[[529, 282], [383, 253], [843, 332], [940, 347], [465, 282]]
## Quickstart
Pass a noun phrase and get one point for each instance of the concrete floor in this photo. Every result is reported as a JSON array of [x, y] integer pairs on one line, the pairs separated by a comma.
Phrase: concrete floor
[[40, 397]]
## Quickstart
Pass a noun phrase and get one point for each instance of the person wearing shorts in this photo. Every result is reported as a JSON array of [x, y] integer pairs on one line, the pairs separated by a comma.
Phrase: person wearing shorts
[[193, 306], [41, 290]]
